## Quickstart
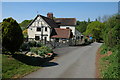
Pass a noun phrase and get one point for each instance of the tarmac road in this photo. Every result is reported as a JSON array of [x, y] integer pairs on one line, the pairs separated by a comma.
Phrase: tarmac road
[[72, 62]]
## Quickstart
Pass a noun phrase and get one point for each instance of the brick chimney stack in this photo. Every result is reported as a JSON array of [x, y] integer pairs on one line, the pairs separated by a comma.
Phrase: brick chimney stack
[[50, 15]]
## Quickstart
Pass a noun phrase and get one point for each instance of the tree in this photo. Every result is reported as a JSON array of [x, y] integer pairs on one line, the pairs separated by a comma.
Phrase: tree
[[12, 36], [99, 19], [24, 24], [111, 32], [95, 29], [96, 19], [88, 20], [25, 33], [105, 18], [81, 26]]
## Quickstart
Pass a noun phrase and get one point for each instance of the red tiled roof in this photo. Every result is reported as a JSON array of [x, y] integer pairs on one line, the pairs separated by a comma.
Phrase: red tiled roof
[[62, 33], [65, 21]]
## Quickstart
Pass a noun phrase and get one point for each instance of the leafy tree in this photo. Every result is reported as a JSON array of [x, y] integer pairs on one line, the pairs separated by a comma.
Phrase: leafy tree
[[99, 19], [111, 32], [88, 20], [81, 26], [24, 24], [25, 34], [12, 36], [96, 19], [95, 29]]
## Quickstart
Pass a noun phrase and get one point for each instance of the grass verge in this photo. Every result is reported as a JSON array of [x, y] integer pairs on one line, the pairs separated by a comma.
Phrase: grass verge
[[108, 62], [13, 68]]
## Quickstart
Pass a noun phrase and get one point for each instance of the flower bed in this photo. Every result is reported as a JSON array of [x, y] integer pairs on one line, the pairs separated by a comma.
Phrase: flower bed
[[42, 52]]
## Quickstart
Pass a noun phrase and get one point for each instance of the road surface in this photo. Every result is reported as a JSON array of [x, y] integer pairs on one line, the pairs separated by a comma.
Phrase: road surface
[[72, 62]]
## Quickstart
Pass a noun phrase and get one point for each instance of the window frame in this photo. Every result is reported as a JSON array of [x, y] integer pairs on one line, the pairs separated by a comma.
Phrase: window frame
[[38, 29], [46, 29]]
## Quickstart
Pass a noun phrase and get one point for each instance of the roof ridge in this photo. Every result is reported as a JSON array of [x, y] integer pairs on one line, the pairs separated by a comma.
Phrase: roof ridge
[[63, 28], [65, 18]]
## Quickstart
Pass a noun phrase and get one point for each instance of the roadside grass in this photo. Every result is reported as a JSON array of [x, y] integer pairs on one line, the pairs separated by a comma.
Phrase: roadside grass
[[109, 65], [13, 68]]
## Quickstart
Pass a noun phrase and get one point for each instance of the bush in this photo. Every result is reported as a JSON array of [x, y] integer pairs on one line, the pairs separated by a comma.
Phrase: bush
[[41, 50], [111, 68], [111, 36], [39, 44], [32, 43], [12, 37], [34, 50], [25, 47], [104, 49], [46, 49], [111, 32]]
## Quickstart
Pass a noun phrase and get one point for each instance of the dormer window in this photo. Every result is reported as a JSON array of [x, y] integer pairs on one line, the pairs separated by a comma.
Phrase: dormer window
[[38, 28], [45, 28]]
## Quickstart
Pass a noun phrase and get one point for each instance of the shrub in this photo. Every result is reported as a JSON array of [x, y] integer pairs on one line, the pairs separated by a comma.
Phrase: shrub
[[34, 50], [41, 50], [39, 44], [32, 43], [46, 49], [111, 32], [111, 68], [12, 37], [25, 47]]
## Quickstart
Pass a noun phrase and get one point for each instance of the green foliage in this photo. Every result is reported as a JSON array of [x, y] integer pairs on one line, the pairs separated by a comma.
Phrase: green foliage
[[24, 24], [111, 36], [95, 29], [111, 68], [81, 26], [34, 49], [111, 32], [39, 44], [25, 33], [46, 49], [32, 43], [104, 49], [12, 36], [41, 50], [25, 47]]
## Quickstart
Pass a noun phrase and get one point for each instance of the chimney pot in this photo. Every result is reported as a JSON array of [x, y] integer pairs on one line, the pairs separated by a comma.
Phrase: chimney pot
[[50, 15]]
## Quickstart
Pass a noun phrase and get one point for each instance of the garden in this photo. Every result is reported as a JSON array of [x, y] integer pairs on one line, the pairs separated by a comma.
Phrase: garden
[[20, 58]]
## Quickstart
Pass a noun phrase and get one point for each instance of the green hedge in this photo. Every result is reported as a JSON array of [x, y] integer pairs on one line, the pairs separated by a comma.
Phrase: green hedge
[[111, 32]]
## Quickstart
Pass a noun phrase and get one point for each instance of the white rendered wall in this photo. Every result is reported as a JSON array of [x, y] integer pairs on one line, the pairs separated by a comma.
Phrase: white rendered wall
[[32, 30]]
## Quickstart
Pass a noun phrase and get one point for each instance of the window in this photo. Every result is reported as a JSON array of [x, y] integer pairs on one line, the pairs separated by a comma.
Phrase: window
[[67, 28], [45, 39], [45, 28], [37, 37], [38, 29]]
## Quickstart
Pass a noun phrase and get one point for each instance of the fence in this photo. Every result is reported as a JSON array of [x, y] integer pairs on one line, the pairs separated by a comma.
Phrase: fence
[[56, 44]]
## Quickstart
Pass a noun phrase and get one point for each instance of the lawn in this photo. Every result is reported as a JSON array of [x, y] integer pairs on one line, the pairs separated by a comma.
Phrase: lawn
[[15, 68]]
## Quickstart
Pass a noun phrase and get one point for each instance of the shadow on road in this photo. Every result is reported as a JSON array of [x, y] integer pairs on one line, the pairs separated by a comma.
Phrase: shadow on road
[[49, 64], [85, 44]]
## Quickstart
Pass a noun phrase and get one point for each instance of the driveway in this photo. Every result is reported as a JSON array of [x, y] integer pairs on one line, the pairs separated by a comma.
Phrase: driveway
[[72, 62]]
